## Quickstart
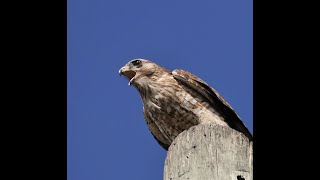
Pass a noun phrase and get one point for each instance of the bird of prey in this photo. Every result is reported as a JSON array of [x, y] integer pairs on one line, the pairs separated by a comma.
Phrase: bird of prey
[[175, 101]]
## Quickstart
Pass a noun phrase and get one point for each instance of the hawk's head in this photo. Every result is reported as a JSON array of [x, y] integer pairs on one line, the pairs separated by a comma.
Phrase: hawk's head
[[138, 68]]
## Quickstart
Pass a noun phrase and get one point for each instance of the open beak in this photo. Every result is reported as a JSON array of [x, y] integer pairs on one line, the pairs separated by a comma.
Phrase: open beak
[[128, 73]]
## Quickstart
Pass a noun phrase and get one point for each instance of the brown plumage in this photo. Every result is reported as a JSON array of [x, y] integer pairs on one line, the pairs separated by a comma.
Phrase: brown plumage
[[175, 101]]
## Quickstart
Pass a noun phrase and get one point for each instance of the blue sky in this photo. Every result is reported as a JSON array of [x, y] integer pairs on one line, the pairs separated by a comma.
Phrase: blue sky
[[107, 135]]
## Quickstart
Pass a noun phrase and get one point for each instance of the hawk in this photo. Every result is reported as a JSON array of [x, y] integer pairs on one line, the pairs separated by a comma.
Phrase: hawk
[[175, 101]]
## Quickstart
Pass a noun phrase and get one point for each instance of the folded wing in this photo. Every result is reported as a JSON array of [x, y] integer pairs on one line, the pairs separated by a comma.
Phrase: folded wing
[[214, 98]]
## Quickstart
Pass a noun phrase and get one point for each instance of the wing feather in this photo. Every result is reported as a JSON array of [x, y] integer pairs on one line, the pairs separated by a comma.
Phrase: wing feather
[[221, 105]]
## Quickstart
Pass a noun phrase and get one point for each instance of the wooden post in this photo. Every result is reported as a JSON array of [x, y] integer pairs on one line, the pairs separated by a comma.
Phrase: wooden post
[[209, 152]]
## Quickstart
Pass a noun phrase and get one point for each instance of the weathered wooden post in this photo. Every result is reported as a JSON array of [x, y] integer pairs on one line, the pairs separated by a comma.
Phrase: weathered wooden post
[[209, 152]]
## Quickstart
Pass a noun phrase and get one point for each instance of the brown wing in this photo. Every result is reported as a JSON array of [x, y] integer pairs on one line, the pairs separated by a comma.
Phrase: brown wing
[[221, 105]]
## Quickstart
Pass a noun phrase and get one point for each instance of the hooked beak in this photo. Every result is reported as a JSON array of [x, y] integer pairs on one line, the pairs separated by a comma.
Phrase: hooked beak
[[128, 73]]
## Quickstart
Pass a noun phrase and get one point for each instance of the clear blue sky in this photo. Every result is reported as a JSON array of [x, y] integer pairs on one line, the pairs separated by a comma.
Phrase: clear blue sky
[[107, 136]]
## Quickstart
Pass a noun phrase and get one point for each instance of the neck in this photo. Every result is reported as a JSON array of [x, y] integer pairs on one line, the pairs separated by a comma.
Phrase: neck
[[146, 84]]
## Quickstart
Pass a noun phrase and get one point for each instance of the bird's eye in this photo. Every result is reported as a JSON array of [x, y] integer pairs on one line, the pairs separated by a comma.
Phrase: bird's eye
[[136, 62]]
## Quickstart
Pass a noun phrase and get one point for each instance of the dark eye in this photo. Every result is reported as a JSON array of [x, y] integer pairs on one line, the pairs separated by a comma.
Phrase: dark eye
[[136, 62]]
